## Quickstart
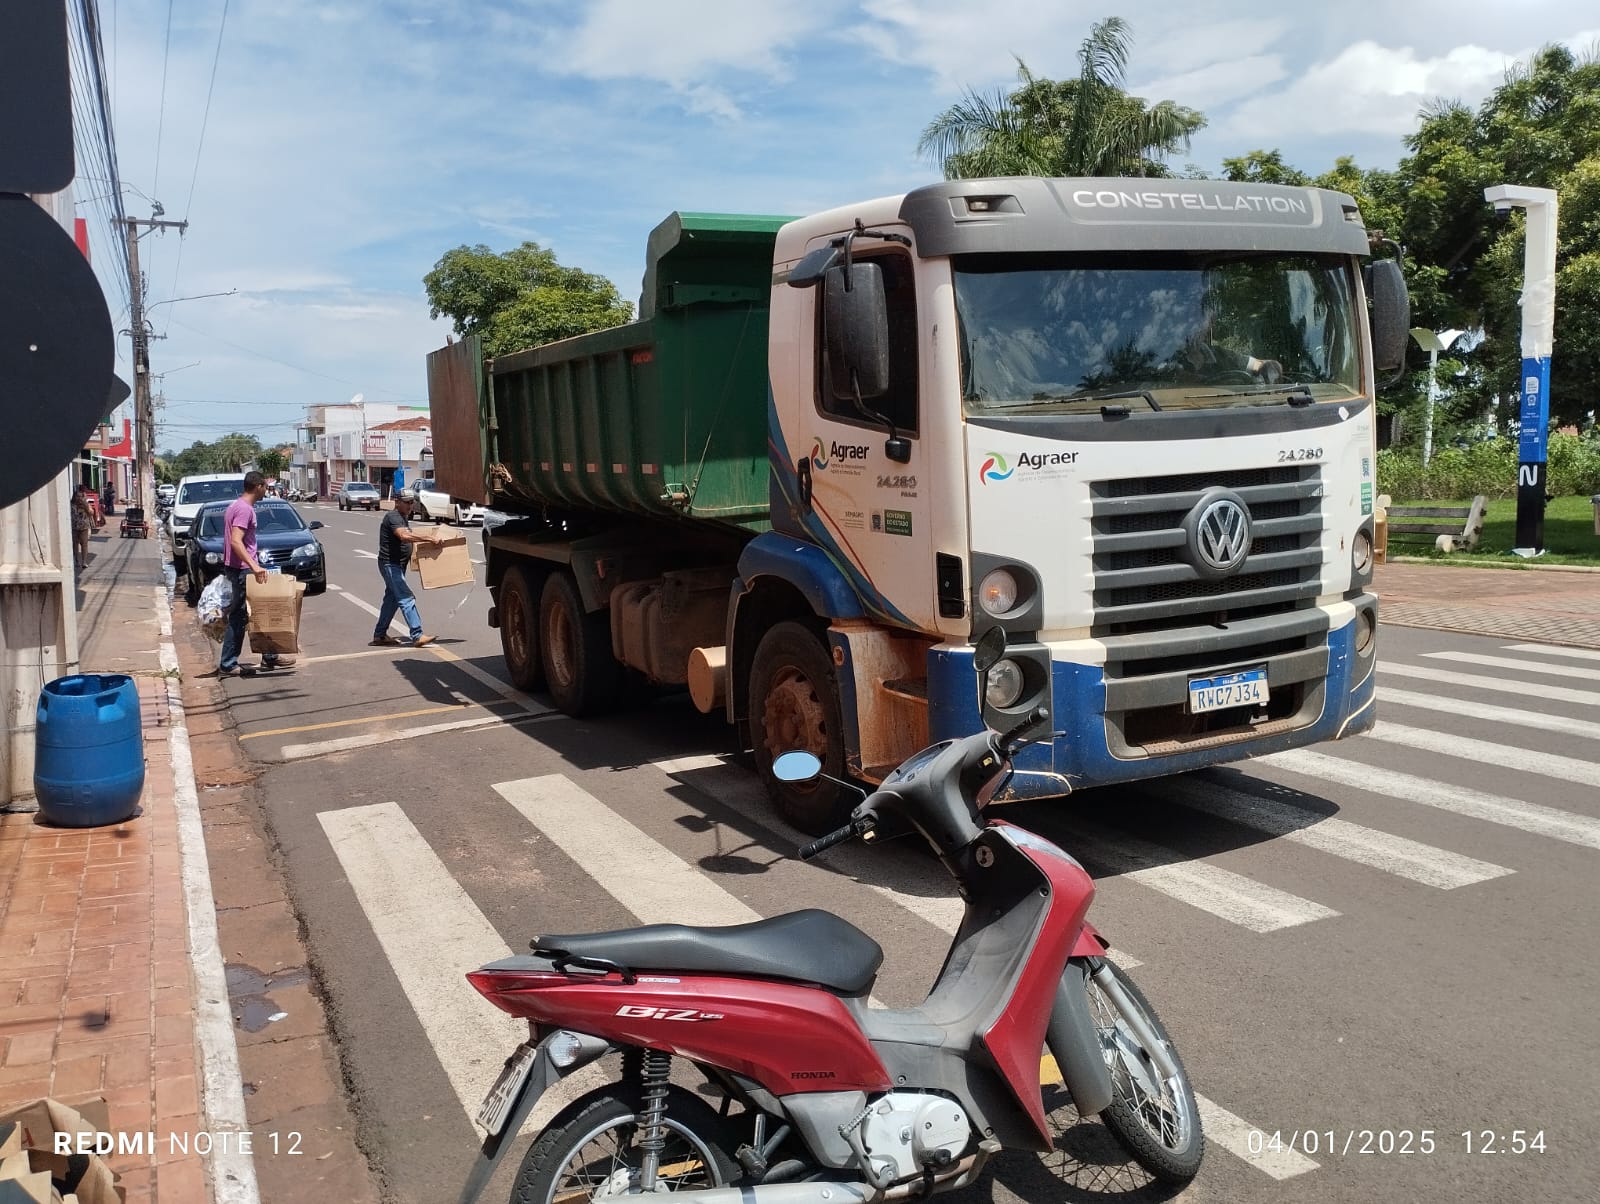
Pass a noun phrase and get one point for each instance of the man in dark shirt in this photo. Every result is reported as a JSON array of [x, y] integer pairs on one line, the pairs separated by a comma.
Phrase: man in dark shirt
[[395, 538]]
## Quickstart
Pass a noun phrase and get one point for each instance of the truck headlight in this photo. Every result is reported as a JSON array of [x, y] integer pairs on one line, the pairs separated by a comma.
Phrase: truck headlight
[[213, 558], [997, 592], [1361, 552], [1004, 684]]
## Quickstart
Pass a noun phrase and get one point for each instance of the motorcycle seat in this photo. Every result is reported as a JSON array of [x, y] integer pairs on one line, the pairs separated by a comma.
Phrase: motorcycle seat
[[802, 946]]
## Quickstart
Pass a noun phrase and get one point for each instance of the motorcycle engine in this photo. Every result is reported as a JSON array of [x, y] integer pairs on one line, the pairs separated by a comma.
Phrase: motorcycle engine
[[911, 1130]]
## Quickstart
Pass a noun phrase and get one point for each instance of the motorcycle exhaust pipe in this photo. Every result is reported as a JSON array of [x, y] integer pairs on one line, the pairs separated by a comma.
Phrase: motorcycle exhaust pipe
[[825, 1193], [1075, 1044]]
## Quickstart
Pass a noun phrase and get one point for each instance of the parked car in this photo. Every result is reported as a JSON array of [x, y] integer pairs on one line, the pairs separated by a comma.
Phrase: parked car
[[362, 494], [284, 541], [441, 507], [193, 493]]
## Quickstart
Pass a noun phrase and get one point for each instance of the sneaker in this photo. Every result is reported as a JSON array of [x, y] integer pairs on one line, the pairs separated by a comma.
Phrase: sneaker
[[421, 641], [382, 641], [219, 672]]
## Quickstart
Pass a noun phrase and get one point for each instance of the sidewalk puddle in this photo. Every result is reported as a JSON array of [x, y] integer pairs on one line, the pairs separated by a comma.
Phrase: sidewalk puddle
[[248, 992]]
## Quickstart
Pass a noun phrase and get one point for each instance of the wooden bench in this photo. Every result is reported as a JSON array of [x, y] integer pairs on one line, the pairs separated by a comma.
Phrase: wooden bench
[[1422, 525]]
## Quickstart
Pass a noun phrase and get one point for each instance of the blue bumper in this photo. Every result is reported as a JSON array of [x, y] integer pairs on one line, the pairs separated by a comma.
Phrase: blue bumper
[[1083, 757]]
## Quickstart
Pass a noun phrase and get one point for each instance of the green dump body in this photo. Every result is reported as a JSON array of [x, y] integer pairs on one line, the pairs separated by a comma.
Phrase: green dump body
[[666, 416]]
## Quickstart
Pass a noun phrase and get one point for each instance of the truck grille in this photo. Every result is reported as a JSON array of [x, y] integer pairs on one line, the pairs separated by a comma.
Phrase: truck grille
[[1163, 622], [1142, 581]]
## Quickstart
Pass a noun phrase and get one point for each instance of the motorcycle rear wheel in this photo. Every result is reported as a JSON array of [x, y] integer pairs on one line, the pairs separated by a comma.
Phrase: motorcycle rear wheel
[[591, 1151], [1157, 1122]]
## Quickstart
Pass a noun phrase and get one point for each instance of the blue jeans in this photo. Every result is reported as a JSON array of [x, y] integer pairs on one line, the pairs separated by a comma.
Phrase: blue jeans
[[238, 616], [397, 595]]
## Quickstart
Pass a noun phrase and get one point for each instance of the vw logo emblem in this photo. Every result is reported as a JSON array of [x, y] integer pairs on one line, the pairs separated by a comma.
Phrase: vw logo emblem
[[1219, 533]]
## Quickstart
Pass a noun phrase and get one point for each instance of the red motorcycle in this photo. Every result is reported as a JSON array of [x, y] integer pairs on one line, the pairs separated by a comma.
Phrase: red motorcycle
[[825, 1100]]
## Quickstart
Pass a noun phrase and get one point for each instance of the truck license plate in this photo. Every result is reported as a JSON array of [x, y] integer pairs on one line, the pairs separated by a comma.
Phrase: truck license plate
[[1245, 688], [497, 1104]]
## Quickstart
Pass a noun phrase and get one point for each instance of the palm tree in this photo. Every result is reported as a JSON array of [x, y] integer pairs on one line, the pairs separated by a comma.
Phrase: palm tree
[[1087, 126]]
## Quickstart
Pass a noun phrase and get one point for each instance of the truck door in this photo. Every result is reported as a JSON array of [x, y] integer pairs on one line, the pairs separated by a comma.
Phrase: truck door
[[873, 509]]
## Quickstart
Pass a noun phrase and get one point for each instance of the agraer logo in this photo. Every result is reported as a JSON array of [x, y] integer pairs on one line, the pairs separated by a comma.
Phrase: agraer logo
[[819, 455], [994, 468], [824, 454]]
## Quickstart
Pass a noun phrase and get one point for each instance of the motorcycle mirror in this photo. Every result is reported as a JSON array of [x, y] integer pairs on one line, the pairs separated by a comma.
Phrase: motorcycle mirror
[[797, 766], [990, 648]]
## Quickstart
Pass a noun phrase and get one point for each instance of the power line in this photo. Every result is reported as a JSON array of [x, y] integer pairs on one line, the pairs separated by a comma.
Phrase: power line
[[161, 118], [205, 118]]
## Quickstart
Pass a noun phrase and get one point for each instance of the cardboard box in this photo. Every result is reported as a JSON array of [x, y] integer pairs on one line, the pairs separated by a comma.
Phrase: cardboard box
[[274, 613], [27, 1139], [442, 560]]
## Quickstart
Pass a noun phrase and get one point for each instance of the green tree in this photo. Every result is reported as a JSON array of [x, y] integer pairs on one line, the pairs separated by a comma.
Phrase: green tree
[[520, 298], [232, 452], [1087, 126], [1263, 167], [272, 462]]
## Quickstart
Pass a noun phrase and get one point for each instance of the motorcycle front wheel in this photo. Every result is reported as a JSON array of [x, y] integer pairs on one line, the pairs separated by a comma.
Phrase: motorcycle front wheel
[[592, 1152], [1155, 1120]]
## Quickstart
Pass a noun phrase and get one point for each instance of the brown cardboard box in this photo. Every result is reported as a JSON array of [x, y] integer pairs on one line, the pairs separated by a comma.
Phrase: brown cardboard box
[[274, 613], [30, 1168], [442, 560]]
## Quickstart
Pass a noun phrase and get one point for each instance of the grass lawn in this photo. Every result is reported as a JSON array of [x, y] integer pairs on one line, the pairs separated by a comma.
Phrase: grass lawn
[[1569, 535]]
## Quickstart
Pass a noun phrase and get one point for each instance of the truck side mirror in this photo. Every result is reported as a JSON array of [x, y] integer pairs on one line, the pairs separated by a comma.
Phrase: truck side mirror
[[1391, 314], [856, 321]]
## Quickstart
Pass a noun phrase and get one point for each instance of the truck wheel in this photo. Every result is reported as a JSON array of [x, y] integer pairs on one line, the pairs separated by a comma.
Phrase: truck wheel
[[581, 674], [519, 629], [794, 704]]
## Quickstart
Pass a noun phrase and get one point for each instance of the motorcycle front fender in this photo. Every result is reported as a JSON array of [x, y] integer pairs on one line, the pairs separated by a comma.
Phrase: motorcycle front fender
[[1075, 1044], [544, 1075]]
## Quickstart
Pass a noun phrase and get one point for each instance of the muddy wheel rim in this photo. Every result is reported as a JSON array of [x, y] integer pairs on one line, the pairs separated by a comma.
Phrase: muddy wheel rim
[[794, 716], [516, 628], [563, 647]]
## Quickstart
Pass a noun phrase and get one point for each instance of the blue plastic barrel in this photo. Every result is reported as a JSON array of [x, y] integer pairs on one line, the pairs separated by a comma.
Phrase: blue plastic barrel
[[88, 749]]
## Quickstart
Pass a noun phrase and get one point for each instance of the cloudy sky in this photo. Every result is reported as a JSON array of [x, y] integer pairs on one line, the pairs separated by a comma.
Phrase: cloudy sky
[[348, 144]]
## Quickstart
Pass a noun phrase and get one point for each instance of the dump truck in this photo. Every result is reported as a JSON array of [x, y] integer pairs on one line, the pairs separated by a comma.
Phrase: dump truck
[[1130, 422]]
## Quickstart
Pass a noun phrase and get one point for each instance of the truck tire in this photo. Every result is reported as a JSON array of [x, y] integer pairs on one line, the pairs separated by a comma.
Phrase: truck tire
[[581, 675], [794, 704], [519, 629]]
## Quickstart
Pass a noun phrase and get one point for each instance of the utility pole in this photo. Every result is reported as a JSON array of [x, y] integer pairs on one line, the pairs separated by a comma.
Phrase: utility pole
[[144, 412]]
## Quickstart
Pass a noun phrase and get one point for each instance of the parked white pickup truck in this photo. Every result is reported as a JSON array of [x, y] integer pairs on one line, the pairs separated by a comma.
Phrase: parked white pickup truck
[[441, 507]]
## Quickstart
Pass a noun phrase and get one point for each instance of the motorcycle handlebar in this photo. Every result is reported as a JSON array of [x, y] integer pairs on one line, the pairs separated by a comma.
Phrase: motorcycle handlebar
[[838, 836], [1013, 740]]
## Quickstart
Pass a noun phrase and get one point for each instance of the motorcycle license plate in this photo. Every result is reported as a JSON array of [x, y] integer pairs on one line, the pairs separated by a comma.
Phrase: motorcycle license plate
[[496, 1105], [1245, 688]]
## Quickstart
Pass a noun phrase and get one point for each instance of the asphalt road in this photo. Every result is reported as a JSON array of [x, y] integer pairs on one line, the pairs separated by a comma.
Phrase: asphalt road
[[1384, 944]]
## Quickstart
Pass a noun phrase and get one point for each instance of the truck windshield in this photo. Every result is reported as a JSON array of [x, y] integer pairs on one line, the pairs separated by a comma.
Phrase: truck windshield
[[1177, 330]]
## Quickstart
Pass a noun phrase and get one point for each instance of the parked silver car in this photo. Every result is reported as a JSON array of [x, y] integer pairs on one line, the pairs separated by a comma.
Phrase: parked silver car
[[358, 495]]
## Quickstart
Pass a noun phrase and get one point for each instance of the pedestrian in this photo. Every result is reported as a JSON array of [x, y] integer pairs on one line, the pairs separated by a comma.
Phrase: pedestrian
[[395, 538], [238, 562], [108, 499], [82, 524]]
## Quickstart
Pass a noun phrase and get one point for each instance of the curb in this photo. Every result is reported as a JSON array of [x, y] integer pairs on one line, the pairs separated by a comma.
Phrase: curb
[[232, 1168], [1512, 566]]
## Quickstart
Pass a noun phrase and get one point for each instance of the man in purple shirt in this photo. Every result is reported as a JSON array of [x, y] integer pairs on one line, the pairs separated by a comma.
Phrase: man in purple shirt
[[238, 560]]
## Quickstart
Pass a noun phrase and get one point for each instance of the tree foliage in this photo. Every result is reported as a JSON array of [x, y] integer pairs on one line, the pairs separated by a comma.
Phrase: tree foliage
[[272, 462], [1087, 126], [227, 454], [520, 298]]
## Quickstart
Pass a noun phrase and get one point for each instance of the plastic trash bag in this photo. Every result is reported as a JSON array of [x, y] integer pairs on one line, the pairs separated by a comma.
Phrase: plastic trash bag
[[215, 600]]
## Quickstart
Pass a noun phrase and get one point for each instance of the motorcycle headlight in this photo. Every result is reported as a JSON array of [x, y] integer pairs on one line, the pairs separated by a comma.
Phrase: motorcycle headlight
[[1004, 684], [213, 558]]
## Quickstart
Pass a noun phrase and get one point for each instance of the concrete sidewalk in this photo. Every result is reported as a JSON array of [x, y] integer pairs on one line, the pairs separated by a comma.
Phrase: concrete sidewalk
[[1551, 605]]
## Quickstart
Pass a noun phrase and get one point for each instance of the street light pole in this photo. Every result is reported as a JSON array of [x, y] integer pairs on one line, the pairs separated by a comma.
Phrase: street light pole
[[1433, 343], [1538, 342]]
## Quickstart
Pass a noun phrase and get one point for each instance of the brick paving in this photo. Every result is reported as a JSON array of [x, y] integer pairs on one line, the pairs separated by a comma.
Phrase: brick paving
[[1543, 605]]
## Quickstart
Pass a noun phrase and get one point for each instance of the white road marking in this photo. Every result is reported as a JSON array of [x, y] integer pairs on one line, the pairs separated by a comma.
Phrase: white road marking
[[364, 552], [650, 881], [300, 752], [1365, 846], [1506, 662], [509, 692], [432, 933], [1485, 752], [1223, 893], [1500, 687], [348, 531], [1482, 710], [1511, 813], [1582, 654], [1233, 1134]]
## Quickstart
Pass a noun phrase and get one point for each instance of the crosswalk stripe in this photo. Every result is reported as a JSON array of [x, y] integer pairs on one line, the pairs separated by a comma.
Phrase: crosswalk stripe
[[1235, 1135], [1511, 813], [1582, 654], [1549, 765], [1229, 896], [1506, 662], [650, 881], [301, 752], [1353, 842], [1483, 710], [924, 890], [432, 933], [1499, 686]]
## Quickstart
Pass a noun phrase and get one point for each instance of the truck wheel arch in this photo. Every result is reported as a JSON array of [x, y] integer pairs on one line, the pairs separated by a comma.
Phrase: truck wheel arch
[[758, 606]]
